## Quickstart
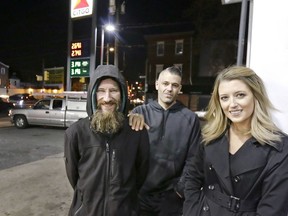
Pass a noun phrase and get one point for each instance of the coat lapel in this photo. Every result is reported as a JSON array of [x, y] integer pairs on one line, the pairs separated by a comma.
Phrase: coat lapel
[[218, 155]]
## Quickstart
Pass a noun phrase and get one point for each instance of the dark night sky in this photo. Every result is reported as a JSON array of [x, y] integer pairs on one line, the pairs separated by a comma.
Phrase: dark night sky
[[34, 32]]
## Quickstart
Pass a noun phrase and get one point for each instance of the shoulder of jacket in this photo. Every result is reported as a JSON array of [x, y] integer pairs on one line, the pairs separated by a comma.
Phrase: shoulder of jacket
[[81, 124], [187, 112], [142, 107]]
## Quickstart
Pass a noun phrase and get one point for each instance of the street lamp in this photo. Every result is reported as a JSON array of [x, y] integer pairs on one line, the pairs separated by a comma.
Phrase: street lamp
[[109, 28], [108, 50]]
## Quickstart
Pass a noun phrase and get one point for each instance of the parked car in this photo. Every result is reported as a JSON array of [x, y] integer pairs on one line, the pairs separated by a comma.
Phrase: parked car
[[5, 106], [22, 100], [57, 112]]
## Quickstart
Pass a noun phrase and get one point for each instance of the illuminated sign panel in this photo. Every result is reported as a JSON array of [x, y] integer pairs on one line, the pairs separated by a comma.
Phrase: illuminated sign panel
[[54, 75], [81, 8], [230, 1], [76, 49], [79, 67], [80, 49]]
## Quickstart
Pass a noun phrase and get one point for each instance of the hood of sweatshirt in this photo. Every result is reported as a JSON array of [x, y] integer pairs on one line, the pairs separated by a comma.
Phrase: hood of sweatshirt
[[100, 73]]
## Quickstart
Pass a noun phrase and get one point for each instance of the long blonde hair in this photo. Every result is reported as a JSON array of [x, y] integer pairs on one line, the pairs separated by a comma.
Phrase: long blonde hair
[[262, 127]]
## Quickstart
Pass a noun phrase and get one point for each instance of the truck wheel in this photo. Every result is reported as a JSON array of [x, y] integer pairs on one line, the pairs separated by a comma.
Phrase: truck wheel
[[21, 122]]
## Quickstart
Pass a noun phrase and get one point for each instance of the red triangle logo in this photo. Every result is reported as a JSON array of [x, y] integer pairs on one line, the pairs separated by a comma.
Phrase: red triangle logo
[[81, 4]]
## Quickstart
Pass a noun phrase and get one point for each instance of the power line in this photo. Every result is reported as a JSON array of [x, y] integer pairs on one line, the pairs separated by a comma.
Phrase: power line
[[150, 25]]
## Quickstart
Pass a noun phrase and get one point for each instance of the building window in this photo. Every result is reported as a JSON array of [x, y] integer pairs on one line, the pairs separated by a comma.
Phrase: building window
[[160, 48], [178, 47], [2, 70]]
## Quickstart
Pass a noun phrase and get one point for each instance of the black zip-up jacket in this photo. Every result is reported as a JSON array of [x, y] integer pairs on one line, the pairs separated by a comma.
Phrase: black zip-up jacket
[[174, 136], [106, 172]]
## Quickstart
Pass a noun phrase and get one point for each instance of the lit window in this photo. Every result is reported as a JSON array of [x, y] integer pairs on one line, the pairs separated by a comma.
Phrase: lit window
[[179, 47], [160, 48]]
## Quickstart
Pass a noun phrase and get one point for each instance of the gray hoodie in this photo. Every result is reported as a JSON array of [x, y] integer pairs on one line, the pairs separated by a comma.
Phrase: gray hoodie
[[102, 72]]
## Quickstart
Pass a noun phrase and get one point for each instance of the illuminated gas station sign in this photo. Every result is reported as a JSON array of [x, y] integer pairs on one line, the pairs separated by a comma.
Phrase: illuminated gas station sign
[[76, 49], [80, 49], [81, 8], [79, 67]]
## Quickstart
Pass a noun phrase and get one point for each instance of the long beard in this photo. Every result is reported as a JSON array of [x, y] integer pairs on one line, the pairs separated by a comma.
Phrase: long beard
[[107, 123]]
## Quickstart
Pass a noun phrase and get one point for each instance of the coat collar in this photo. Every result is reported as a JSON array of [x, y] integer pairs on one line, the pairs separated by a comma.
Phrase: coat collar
[[250, 156]]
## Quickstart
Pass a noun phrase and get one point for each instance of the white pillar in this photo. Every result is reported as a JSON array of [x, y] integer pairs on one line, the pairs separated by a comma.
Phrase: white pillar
[[268, 52]]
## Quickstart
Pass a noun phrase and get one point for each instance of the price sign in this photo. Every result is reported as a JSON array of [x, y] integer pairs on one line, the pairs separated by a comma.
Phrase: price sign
[[79, 67], [79, 49]]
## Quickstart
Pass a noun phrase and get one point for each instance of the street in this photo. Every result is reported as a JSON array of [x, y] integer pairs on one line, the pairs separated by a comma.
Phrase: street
[[32, 172]]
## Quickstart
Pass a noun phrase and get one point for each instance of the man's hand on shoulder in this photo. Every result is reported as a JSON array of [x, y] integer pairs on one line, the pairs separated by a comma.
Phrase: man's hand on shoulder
[[137, 122]]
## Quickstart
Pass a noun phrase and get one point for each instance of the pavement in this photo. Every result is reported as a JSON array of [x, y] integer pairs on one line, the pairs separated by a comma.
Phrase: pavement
[[40, 188], [5, 121]]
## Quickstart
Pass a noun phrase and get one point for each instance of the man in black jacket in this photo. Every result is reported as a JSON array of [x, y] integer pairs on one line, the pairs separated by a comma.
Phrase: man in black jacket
[[174, 133], [106, 161]]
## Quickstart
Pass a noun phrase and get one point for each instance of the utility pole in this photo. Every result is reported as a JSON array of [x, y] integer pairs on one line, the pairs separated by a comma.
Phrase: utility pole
[[107, 54], [70, 36], [93, 39], [242, 31], [116, 38], [116, 7]]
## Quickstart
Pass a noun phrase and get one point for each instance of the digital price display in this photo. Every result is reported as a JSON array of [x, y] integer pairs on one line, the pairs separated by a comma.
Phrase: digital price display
[[79, 68], [79, 49], [76, 49]]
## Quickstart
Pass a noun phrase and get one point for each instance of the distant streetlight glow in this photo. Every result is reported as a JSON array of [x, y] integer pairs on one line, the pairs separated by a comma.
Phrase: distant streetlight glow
[[108, 50], [109, 28], [230, 1]]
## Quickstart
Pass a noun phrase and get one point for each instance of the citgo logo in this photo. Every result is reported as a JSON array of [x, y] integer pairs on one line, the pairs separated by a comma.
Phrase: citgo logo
[[81, 4], [81, 8]]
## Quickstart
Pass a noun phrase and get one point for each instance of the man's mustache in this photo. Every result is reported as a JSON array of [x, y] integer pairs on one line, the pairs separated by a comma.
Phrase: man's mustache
[[107, 102], [111, 102]]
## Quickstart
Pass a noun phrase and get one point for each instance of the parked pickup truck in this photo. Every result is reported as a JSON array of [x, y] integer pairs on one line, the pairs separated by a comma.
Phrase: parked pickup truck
[[57, 112]]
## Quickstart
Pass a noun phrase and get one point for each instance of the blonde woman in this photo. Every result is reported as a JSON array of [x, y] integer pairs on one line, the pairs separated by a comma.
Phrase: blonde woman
[[241, 168]]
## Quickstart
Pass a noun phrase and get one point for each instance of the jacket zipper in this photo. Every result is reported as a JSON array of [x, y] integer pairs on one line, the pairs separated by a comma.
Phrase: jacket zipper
[[113, 163], [80, 207], [107, 180]]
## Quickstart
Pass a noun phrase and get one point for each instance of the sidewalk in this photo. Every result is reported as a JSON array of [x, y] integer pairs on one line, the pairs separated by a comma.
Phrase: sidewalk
[[4, 119], [3, 114], [40, 188]]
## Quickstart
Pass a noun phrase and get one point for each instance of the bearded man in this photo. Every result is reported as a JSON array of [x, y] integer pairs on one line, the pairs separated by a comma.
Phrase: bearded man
[[106, 161]]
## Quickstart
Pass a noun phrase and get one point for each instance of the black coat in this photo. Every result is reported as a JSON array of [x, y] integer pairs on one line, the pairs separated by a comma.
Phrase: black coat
[[256, 174], [105, 173]]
